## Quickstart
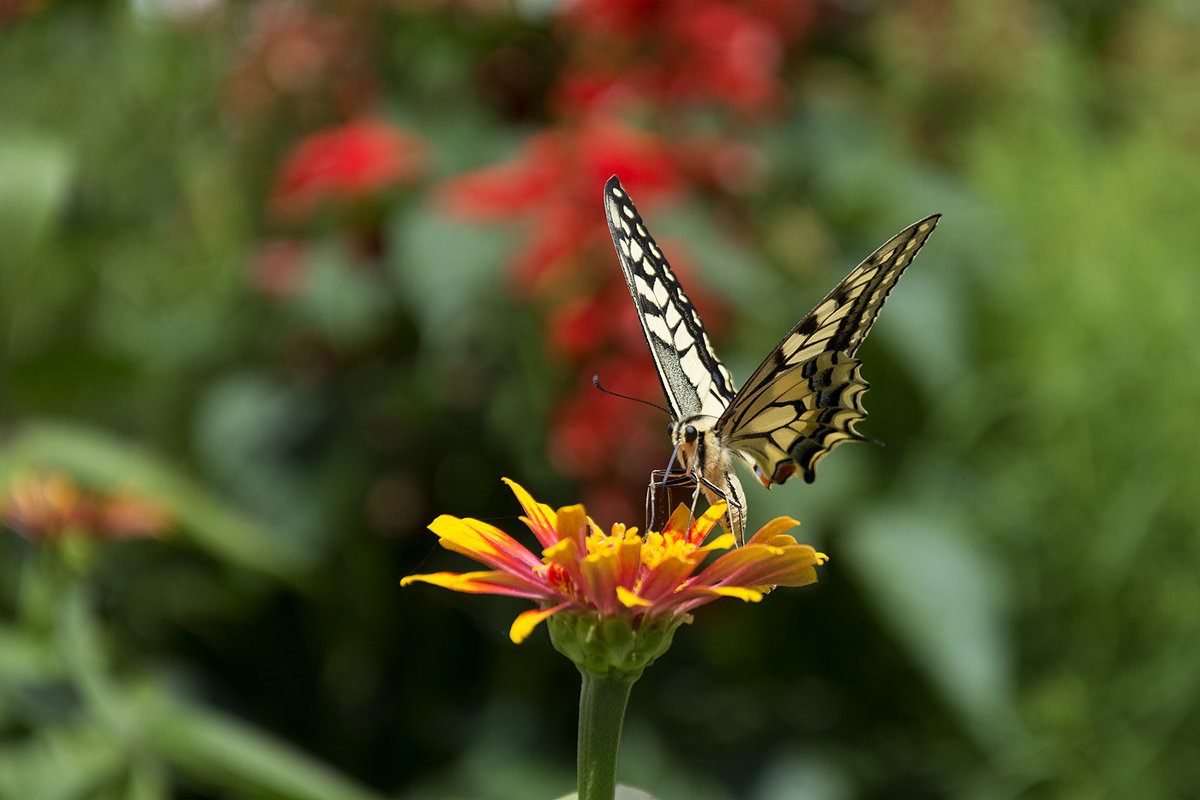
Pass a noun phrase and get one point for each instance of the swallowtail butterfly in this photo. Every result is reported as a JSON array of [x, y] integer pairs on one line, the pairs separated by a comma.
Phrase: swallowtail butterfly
[[801, 402]]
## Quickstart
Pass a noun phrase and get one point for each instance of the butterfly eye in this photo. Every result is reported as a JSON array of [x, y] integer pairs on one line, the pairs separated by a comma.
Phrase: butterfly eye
[[671, 427], [690, 433]]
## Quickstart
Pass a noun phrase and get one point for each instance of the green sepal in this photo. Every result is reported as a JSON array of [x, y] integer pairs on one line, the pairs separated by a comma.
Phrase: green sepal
[[601, 645]]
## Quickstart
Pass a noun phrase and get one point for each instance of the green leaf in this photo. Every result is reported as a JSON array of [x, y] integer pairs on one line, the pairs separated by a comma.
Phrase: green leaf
[[348, 302], [447, 272], [35, 175], [26, 657], [945, 601], [60, 762], [225, 752], [155, 730]]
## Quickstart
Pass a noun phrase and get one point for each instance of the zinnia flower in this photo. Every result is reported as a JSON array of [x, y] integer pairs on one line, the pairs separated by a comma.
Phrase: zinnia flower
[[619, 588]]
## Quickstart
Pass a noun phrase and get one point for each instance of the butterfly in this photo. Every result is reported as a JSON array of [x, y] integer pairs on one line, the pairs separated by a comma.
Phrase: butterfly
[[801, 402]]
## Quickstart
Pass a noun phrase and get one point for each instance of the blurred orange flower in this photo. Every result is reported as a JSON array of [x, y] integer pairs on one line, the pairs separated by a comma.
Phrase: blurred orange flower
[[46, 506]]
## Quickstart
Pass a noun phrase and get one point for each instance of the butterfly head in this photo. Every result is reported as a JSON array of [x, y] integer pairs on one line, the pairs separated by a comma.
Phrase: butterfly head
[[683, 433], [697, 444], [699, 450]]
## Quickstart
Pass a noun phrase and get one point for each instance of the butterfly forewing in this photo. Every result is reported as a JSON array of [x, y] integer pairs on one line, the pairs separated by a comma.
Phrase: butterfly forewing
[[693, 378], [804, 399]]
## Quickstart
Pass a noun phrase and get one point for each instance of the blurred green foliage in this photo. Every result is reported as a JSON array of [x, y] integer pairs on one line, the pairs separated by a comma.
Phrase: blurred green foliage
[[1012, 601]]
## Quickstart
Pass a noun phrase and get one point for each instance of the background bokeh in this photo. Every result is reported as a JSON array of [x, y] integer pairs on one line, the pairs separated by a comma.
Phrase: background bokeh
[[281, 281]]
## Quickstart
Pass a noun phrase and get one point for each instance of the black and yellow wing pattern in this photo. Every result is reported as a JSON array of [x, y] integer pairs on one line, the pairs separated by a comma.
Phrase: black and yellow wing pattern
[[801, 402]]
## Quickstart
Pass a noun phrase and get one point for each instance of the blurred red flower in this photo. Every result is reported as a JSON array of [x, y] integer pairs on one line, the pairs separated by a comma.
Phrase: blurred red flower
[[605, 321], [593, 434], [584, 325], [555, 180], [351, 162], [679, 52]]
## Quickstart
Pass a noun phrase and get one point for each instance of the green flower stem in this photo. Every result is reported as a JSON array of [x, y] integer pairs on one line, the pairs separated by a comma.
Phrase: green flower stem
[[602, 700]]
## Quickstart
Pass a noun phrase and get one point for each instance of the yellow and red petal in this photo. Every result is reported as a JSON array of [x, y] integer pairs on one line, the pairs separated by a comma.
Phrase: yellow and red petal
[[484, 582], [573, 524], [707, 521], [667, 576], [696, 595], [600, 571], [524, 624], [539, 517], [795, 567], [693, 530], [679, 521], [630, 599], [483, 542], [629, 557], [564, 555], [770, 532], [764, 565], [723, 542], [740, 592]]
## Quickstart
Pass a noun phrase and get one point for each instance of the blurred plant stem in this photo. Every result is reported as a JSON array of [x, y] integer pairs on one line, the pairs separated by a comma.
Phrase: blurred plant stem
[[602, 701], [151, 732]]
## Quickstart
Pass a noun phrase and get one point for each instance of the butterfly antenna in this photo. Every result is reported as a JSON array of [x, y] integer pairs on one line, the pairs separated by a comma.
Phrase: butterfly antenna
[[596, 383]]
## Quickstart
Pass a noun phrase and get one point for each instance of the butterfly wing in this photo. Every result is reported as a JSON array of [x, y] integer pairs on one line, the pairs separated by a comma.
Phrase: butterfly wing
[[693, 378], [805, 398]]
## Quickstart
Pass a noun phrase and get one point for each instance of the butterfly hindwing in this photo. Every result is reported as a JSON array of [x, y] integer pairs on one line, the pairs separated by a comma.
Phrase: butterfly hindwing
[[693, 378], [796, 420], [805, 398]]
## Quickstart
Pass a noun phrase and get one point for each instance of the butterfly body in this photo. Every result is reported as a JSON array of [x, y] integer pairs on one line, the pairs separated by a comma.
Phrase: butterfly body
[[801, 402], [701, 453]]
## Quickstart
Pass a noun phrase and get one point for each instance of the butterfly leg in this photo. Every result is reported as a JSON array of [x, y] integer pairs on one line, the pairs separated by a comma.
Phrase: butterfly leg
[[663, 481], [734, 520]]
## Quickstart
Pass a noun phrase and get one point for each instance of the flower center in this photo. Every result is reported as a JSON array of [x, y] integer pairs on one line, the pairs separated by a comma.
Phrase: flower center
[[660, 546]]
